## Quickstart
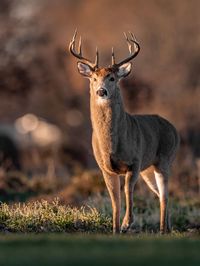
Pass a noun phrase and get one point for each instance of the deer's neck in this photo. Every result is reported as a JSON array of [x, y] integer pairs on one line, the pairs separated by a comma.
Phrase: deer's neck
[[109, 123]]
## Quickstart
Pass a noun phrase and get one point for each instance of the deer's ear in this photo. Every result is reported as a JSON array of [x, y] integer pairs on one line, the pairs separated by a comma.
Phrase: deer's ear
[[84, 69], [124, 70]]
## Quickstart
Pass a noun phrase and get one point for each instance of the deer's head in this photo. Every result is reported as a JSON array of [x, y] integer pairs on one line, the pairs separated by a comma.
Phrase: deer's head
[[103, 81]]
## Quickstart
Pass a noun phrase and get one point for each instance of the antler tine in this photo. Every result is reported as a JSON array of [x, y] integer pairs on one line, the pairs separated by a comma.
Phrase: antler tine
[[135, 42], [97, 58], [74, 36], [72, 45], [133, 39], [113, 57], [79, 47], [132, 36], [79, 53], [72, 42], [130, 40]]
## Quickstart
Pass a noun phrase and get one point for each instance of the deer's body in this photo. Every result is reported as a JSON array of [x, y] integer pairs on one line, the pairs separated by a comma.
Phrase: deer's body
[[127, 145], [121, 140]]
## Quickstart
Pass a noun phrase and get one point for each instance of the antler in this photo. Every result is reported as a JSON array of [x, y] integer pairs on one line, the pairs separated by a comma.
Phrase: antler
[[133, 53], [79, 53]]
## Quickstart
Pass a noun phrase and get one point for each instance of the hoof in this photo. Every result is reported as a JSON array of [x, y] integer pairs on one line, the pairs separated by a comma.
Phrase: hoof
[[116, 231], [165, 232], [126, 228]]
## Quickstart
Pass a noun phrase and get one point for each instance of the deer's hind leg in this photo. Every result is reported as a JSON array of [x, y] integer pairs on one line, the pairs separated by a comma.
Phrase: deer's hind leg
[[157, 181], [149, 178], [161, 177]]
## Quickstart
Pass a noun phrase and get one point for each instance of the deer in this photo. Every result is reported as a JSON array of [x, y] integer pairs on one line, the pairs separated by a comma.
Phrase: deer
[[126, 145]]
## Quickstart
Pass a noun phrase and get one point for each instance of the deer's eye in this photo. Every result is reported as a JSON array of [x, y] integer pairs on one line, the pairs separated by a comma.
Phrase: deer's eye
[[111, 79], [94, 79]]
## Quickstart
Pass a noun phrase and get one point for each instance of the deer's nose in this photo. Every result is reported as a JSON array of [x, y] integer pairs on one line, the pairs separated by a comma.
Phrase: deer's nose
[[102, 92]]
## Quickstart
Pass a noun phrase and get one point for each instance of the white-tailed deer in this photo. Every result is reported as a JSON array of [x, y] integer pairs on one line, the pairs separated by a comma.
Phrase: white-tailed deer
[[123, 144]]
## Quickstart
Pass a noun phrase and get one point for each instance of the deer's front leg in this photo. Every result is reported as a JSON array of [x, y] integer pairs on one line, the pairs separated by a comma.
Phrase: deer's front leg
[[130, 181], [113, 186]]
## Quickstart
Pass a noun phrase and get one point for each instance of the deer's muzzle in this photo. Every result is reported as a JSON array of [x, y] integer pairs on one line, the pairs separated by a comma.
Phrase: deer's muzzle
[[102, 92]]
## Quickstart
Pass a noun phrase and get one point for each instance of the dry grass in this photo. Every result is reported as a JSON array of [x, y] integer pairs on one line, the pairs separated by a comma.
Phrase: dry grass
[[43, 216], [51, 217]]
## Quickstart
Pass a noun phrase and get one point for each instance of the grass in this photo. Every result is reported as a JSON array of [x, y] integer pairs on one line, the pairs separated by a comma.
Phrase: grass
[[43, 233], [43, 216], [184, 213], [65, 249], [52, 217]]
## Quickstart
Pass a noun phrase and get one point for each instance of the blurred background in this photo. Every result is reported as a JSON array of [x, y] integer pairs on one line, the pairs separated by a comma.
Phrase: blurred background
[[45, 129]]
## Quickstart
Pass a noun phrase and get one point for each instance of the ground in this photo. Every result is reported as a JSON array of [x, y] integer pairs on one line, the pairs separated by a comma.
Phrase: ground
[[49, 233], [67, 249]]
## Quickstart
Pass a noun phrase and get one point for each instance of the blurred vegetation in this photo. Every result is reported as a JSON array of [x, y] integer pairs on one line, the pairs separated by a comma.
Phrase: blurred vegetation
[[45, 131]]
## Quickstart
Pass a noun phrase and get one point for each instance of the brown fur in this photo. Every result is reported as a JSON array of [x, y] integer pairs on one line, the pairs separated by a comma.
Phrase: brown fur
[[102, 72], [127, 144]]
